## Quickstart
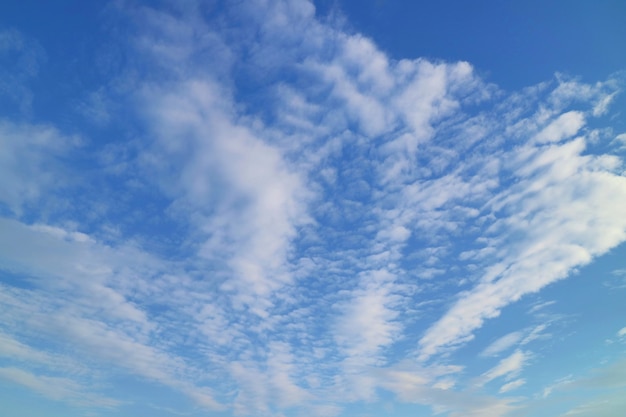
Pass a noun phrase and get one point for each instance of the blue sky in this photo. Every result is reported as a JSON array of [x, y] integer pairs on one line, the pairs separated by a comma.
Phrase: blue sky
[[287, 208]]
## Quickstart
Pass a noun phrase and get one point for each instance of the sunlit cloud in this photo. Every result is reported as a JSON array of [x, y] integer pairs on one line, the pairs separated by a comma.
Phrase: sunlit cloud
[[294, 221]]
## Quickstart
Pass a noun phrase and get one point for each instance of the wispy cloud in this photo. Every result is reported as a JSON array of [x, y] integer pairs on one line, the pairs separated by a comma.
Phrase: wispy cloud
[[415, 386], [22, 58], [508, 367], [56, 388], [95, 314], [510, 386], [42, 146], [503, 343], [309, 224], [545, 184]]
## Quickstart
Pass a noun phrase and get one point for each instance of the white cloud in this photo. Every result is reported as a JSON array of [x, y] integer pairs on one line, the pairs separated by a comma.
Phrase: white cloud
[[563, 127], [40, 145], [547, 247], [56, 388], [412, 385], [282, 368], [368, 323], [61, 260], [540, 306], [603, 104], [510, 386], [306, 213], [508, 367], [536, 333], [13, 349], [255, 200], [562, 382], [94, 314], [622, 332], [503, 343]]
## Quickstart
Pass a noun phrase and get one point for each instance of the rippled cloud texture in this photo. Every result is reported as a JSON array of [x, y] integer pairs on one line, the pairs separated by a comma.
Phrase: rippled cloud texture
[[263, 214]]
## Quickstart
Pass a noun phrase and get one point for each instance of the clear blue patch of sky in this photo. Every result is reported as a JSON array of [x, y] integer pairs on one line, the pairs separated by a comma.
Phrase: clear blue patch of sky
[[74, 36]]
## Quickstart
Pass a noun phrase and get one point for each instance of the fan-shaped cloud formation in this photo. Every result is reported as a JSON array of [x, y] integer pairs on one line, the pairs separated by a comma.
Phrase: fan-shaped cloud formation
[[298, 222]]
